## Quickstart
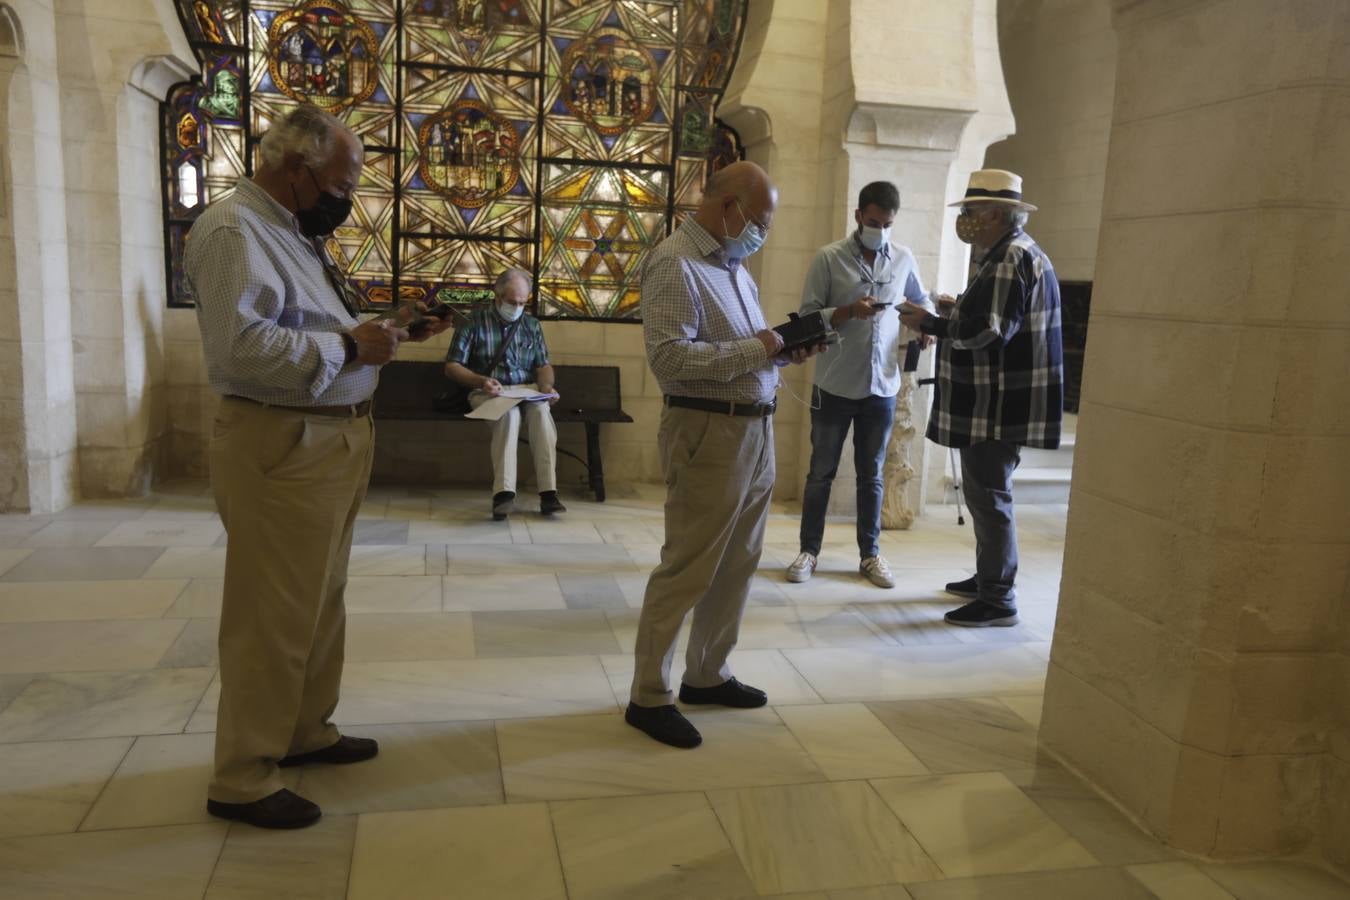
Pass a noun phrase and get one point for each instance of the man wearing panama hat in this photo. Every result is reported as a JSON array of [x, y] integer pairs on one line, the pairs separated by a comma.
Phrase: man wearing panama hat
[[1000, 380]]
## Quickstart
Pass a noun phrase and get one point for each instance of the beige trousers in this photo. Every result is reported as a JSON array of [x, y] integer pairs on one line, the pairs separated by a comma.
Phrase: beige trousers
[[540, 430], [719, 473], [288, 487]]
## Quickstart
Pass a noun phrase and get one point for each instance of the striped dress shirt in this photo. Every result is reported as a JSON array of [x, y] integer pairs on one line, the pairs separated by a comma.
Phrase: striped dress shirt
[[1000, 367], [270, 317], [700, 313]]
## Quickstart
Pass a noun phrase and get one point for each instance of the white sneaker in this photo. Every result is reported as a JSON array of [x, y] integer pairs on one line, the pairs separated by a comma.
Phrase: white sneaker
[[876, 570], [801, 568]]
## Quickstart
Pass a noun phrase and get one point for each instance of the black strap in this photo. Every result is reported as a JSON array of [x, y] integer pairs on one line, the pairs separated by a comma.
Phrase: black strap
[[335, 277], [507, 336]]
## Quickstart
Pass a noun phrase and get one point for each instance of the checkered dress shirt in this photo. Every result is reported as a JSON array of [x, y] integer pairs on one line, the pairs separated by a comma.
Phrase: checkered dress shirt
[[476, 343], [1000, 368], [270, 316], [700, 313]]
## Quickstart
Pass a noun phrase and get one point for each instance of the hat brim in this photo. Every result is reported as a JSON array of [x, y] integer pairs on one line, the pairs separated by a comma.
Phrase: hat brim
[[1005, 201]]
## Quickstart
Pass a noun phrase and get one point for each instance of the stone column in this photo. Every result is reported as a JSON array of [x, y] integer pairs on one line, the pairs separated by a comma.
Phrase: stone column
[[1198, 674]]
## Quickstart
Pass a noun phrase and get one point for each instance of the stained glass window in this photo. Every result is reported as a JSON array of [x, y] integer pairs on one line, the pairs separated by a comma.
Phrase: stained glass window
[[566, 137]]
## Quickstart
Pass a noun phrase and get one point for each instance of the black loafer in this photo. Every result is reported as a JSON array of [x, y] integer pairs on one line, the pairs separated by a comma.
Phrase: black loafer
[[729, 693], [978, 614], [347, 750], [665, 724], [968, 589], [503, 505], [280, 810], [550, 504]]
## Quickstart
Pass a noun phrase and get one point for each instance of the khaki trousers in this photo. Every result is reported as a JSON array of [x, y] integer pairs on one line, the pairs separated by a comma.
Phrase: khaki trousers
[[719, 473], [540, 430], [288, 487]]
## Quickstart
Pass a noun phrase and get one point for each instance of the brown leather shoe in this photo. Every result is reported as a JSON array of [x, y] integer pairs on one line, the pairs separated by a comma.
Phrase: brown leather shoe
[[280, 810], [347, 750]]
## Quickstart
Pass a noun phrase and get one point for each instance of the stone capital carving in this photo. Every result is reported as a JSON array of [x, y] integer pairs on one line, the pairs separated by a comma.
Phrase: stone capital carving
[[908, 127], [154, 75]]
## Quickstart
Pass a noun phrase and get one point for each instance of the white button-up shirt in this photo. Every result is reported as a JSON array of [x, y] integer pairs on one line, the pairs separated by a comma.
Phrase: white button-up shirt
[[867, 360], [271, 320]]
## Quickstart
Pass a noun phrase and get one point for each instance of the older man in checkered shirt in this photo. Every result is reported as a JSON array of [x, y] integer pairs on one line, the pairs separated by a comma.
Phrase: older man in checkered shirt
[[290, 457], [716, 361], [1000, 380]]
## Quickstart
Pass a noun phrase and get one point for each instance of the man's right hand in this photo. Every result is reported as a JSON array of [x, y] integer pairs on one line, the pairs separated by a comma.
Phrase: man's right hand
[[377, 341], [862, 308], [772, 341], [491, 386]]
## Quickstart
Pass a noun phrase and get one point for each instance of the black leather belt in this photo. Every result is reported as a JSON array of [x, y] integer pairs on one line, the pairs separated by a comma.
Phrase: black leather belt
[[351, 411], [725, 407]]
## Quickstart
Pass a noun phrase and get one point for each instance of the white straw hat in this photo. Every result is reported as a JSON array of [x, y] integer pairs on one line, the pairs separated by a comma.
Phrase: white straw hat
[[995, 186]]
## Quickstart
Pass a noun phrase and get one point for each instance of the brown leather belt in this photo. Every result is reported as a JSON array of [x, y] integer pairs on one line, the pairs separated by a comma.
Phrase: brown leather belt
[[352, 411], [725, 407]]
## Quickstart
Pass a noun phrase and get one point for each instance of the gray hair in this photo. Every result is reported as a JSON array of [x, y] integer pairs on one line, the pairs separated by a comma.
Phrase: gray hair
[[1014, 217], [505, 278], [307, 130]]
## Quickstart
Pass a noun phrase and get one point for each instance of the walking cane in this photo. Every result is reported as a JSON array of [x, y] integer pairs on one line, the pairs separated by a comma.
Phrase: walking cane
[[912, 352]]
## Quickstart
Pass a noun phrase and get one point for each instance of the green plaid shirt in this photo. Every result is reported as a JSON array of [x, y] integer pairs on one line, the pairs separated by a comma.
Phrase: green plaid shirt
[[476, 343]]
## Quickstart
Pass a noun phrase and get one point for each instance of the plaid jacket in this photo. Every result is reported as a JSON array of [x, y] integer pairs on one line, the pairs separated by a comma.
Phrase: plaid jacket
[[1000, 368], [476, 343]]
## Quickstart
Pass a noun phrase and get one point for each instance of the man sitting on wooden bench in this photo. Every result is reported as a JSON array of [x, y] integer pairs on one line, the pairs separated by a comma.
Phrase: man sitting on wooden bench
[[500, 346]]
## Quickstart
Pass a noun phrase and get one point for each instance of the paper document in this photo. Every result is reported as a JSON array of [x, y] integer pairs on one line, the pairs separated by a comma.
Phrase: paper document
[[523, 392], [494, 408]]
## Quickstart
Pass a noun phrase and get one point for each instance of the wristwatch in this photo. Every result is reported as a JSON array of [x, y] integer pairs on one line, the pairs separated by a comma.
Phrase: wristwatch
[[349, 343]]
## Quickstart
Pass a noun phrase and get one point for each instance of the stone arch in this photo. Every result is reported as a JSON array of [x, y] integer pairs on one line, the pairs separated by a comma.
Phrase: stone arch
[[14, 492]]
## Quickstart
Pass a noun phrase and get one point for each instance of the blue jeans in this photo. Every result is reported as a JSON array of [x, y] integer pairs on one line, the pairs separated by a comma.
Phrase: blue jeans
[[871, 418], [986, 481]]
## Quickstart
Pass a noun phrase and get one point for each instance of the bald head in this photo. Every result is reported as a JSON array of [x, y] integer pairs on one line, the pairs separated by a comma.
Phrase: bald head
[[739, 193]]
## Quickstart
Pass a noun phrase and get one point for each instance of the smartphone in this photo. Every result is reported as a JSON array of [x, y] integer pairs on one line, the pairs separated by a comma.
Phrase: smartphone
[[880, 305]]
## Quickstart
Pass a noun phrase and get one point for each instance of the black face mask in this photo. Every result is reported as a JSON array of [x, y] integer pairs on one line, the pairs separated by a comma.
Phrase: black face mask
[[327, 213]]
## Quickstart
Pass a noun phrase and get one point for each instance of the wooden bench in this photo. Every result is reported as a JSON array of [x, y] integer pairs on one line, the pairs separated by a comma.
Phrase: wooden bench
[[588, 394]]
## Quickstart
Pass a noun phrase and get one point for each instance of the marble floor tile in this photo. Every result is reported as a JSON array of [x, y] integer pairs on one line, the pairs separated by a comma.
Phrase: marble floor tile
[[379, 559], [85, 646], [566, 632], [762, 627], [195, 647], [470, 689], [1088, 884], [188, 562], [844, 585], [980, 824], [840, 626], [1092, 820], [407, 636], [117, 509], [1027, 706], [388, 594], [520, 532], [203, 716], [664, 847], [411, 507], [457, 532], [632, 530], [811, 837], [475, 853], [306, 864], [90, 564], [915, 623], [965, 735], [645, 555], [12, 686], [546, 559], [382, 531], [1178, 881], [848, 742], [576, 757], [1277, 881], [592, 592], [69, 533], [137, 864], [767, 670], [163, 533], [103, 704], [162, 781], [59, 601], [49, 786], [427, 766], [881, 892], [943, 670], [503, 592], [559, 530]]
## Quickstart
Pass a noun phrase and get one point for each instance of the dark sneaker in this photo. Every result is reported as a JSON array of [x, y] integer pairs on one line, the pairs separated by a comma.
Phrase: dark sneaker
[[550, 504], [728, 693], [503, 504], [665, 724], [280, 810], [978, 614], [969, 589], [347, 750]]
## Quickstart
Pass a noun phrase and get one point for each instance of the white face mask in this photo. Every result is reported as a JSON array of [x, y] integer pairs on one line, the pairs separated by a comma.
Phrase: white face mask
[[874, 238], [510, 311]]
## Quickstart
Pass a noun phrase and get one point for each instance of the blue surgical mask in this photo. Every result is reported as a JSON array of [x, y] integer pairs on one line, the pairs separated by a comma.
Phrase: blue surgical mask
[[510, 311], [750, 239], [874, 238]]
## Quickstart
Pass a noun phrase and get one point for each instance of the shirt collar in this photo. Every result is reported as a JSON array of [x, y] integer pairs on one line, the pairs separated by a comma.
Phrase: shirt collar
[[262, 202], [858, 248], [707, 244]]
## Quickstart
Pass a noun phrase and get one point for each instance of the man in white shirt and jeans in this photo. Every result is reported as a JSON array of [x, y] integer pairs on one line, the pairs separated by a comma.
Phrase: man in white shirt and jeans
[[859, 282]]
